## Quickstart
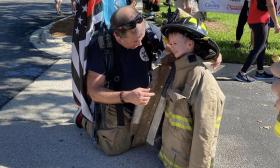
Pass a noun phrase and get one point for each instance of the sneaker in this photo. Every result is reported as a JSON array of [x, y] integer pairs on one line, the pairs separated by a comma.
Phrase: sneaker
[[78, 118], [263, 75], [244, 78], [237, 45]]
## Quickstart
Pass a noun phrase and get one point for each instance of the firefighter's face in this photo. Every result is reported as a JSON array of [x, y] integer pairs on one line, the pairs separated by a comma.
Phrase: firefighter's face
[[180, 44], [133, 37]]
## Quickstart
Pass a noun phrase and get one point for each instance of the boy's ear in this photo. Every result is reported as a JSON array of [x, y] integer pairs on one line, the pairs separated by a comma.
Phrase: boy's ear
[[190, 44]]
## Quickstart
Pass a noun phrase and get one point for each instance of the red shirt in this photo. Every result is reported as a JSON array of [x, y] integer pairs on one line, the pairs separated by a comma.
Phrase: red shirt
[[256, 15]]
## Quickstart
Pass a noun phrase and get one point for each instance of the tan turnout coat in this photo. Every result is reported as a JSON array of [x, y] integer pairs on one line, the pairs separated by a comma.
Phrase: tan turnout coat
[[192, 116]]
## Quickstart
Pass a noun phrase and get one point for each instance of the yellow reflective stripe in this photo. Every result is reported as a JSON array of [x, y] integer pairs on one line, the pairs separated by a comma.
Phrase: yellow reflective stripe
[[277, 128], [184, 123], [177, 117], [218, 122], [166, 161], [178, 121], [205, 38], [203, 26], [193, 20], [185, 127]]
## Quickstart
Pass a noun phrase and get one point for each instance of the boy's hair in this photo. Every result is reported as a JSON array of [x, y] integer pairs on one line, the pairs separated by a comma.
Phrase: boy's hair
[[185, 34]]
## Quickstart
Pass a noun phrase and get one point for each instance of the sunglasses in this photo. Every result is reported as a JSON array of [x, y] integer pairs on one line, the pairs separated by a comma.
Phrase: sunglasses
[[131, 24]]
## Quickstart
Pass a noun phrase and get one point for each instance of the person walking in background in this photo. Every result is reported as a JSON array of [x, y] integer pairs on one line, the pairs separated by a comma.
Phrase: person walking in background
[[58, 3], [57, 6], [150, 7], [191, 7], [271, 23], [242, 20], [73, 5], [259, 13]]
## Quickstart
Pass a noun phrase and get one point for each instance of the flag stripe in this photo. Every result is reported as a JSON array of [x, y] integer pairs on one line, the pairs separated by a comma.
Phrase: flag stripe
[[76, 92], [76, 78], [97, 18], [75, 59], [89, 14], [82, 45], [86, 109], [78, 64]]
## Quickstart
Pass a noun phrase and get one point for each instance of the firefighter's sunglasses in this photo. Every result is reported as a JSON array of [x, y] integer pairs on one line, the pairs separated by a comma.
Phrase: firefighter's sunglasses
[[131, 24]]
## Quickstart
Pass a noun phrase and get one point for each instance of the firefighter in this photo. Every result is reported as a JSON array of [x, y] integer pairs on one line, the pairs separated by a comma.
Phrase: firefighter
[[195, 101]]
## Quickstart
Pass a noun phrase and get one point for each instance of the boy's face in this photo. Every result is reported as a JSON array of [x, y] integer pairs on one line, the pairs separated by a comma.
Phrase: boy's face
[[180, 44]]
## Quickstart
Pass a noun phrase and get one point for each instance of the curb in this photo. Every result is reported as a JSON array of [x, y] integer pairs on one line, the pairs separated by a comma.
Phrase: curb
[[58, 46]]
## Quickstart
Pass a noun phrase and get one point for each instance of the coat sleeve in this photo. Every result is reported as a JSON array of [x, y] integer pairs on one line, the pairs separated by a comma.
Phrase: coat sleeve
[[204, 108]]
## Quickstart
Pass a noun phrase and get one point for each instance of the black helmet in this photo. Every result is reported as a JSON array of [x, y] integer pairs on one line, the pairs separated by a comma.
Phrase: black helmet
[[182, 22]]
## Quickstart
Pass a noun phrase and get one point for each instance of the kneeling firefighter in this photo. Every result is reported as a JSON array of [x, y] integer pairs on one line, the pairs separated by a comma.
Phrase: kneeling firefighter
[[195, 101]]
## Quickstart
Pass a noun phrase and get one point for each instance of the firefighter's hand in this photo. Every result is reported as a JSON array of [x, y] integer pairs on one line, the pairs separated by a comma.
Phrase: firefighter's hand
[[138, 96]]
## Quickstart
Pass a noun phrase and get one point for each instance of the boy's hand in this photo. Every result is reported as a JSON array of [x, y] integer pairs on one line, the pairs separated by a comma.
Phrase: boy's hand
[[217, 62]]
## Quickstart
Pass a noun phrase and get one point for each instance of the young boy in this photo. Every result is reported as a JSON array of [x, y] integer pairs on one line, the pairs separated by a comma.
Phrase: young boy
[[194, 99]]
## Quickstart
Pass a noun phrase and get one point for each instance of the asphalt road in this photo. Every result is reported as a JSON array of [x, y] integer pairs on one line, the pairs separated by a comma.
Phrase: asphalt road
[[20, 62], [246, 137]]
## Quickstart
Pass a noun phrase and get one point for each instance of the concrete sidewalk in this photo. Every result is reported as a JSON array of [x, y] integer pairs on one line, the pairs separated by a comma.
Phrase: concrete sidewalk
[[36, 128]]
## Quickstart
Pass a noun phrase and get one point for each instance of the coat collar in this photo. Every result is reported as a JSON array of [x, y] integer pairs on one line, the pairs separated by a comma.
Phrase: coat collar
[[188, 60]]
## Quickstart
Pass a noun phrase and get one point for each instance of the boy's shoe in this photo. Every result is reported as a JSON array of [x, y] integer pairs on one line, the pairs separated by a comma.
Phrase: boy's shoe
[[244, 78], [263, 75], [78, 118], [237, 45]]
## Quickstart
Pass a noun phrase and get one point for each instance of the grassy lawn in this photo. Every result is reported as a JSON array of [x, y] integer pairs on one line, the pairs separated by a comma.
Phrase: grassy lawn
[[221, 27]]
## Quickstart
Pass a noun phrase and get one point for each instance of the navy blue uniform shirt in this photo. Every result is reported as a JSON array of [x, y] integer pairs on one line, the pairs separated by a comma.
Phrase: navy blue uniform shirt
[[134, 63]]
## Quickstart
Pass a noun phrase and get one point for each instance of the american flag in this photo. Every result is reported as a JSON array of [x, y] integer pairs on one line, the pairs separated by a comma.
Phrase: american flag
[[88, 14]]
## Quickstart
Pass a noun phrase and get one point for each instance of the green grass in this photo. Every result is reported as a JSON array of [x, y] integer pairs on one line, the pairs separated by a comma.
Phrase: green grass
[[223, 32], [221, 28]]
